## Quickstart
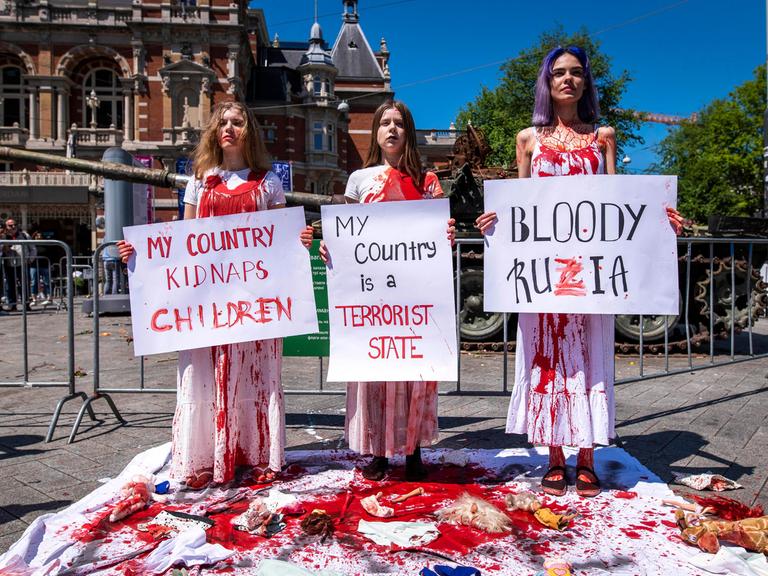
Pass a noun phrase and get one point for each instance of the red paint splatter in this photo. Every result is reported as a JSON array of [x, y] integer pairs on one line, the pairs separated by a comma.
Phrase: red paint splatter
[[631, 534], [629, 495], [569, 285]]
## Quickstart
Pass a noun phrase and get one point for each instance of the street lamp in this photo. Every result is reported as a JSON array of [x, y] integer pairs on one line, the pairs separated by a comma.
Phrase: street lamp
[[92, 101]]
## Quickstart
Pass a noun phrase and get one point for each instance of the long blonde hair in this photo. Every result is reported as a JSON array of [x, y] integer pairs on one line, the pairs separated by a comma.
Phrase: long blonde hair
[[410, 161], [208, 153]]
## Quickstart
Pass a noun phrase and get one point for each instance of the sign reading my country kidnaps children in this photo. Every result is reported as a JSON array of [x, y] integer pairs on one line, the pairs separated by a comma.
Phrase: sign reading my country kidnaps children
[[390, 291], [584, 244], [220, 280]]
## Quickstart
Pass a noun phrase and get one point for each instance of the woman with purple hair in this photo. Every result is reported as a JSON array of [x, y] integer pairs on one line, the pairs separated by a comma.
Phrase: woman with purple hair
[[563, 394]]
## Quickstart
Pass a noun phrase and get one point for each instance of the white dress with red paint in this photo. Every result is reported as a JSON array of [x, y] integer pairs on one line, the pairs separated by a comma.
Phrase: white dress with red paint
[[229, 409], [388, 418], [563, 394]]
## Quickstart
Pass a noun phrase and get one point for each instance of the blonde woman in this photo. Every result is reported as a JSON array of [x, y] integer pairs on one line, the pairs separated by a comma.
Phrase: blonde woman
[[229, 409]]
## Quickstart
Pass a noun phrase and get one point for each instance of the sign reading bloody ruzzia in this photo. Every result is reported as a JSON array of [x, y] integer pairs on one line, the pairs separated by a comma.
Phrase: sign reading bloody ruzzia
[[587, 244], [390, 291], [219, 280]]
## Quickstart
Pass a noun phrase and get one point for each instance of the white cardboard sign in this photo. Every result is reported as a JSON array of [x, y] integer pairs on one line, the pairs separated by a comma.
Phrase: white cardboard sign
[[583, 244], [220, 280], [390, 291]]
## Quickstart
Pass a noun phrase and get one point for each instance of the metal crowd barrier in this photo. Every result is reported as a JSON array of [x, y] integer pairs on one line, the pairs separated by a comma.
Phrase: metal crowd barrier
[[100, 392], [685, 246], [69, 383]]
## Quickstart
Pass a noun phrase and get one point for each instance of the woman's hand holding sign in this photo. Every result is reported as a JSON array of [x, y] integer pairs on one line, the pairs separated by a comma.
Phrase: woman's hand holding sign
[[125, 250]]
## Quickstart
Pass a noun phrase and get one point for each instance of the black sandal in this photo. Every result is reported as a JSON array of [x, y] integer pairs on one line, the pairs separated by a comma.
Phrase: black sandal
[[376, 468], [587, 488], [554, 487]]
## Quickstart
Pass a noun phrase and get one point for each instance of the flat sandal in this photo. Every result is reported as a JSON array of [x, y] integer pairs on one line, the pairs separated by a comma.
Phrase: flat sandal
[[554, 487]]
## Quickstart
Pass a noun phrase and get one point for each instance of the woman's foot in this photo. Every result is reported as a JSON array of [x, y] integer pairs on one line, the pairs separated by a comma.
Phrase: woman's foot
[[554, 481], [376, 468], [199, 480], [414, 468], [587, 482]]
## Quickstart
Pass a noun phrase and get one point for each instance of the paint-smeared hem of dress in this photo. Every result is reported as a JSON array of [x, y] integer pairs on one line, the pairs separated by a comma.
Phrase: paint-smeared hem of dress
[[390, 418], [240, 421], [568, 401]]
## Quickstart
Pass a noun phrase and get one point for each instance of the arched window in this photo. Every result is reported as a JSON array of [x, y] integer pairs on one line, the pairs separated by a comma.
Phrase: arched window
[[103, 94], [12, 108]]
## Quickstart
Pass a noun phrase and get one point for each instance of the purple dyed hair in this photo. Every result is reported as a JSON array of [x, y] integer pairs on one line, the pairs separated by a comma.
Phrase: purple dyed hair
[[588, 106]]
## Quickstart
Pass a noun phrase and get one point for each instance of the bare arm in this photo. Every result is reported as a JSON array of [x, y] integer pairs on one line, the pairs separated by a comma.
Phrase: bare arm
[[523, 152], [606, 138], [190, 211]]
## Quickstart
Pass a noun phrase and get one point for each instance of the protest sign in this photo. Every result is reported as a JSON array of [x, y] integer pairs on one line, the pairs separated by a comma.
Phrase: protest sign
[[220, 280], [584, 244], [390, 291]]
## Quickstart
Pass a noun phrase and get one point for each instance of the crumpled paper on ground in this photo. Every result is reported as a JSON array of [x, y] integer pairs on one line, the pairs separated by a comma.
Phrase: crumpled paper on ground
[[707, 481], [403, 534], [188, 548]]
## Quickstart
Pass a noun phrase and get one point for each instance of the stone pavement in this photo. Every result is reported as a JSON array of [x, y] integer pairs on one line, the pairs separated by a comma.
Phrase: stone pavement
[[708, 420]]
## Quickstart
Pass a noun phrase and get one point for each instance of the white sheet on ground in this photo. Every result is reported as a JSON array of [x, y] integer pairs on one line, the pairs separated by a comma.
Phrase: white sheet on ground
[[732, 560], [402, 534], [624, 530]]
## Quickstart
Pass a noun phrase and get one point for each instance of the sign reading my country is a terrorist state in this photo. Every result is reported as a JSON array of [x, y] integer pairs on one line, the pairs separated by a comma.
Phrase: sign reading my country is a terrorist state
[[584, 244], [390, 291], [220, 280]]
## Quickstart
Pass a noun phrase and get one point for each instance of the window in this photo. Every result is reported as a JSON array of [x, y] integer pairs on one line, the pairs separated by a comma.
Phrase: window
[[102, 100], [330, 136], [317, 87], [12, 109], [317, 136]]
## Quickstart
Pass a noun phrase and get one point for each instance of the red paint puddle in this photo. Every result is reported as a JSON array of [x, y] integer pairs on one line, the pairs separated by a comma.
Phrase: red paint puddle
[[669, 524], [625, 494], [631, 534]]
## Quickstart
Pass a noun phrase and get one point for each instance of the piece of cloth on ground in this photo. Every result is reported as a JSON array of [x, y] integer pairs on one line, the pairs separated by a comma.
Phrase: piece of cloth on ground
[[402, 534], [188, 548], [442, 570], [732, 560]]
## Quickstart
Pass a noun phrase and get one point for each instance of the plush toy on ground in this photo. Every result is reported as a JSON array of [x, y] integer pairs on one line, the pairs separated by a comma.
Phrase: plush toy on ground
[[750, 533], [528, 502]]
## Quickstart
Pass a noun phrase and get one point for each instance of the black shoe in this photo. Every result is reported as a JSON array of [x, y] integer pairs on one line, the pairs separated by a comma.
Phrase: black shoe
[[376, 468], [414, 468]]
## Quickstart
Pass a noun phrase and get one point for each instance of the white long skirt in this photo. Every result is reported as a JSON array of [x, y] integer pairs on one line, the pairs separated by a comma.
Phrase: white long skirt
[[563, 393], [230, 410]]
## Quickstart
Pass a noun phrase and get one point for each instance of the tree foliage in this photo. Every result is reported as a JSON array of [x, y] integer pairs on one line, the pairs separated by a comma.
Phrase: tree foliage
[[503, 111], [718, 158]]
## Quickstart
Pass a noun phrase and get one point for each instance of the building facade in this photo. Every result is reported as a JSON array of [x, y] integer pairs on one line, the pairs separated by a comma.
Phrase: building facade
[[81, 76]]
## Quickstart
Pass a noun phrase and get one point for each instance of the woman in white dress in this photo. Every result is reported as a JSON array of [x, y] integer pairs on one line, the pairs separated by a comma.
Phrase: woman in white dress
[[229, 409], [563, 393]]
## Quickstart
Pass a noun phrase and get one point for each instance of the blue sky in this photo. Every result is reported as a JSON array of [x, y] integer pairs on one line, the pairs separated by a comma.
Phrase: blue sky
[[681, 54]]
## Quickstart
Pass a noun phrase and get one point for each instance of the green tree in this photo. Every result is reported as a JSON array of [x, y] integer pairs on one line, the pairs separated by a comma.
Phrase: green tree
[[503, 111], [718, 158]]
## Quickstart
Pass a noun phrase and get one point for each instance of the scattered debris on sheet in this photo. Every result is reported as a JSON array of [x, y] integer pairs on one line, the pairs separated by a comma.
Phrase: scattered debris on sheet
[[480, 508], [708, 481]]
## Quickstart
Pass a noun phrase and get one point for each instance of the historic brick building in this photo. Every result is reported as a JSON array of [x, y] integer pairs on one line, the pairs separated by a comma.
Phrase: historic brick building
[[80, 76]]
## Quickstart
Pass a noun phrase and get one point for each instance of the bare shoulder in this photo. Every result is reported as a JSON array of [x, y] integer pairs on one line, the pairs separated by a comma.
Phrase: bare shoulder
[[606, 133], [526, 138], [525, 135]]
